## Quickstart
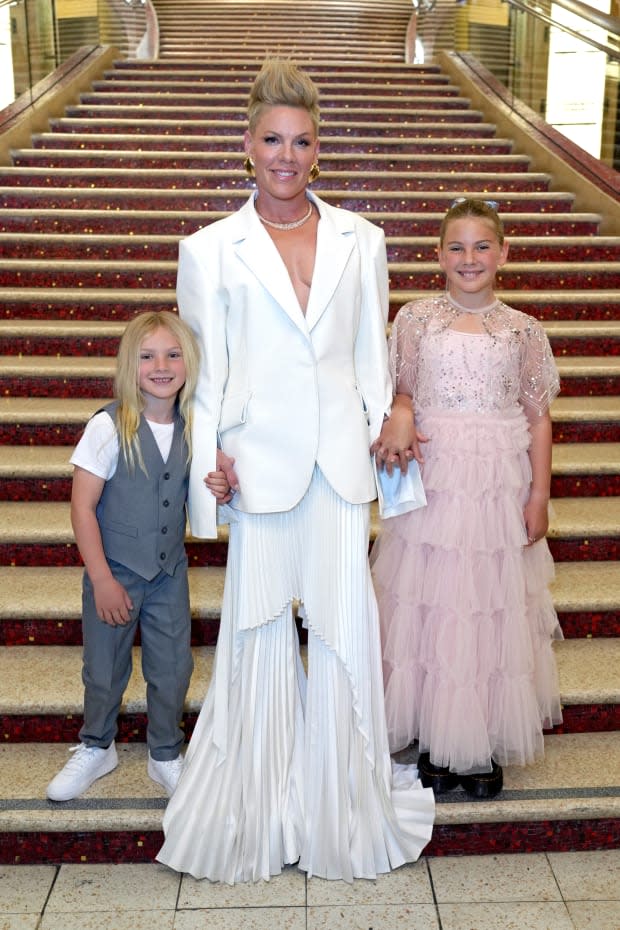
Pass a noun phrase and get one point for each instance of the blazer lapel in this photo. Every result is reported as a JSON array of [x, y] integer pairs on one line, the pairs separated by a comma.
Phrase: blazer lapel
[[256, 250], [335, 242]]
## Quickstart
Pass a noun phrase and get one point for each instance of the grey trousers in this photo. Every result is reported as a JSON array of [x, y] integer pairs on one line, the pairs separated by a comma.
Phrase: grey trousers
[[161, 608]]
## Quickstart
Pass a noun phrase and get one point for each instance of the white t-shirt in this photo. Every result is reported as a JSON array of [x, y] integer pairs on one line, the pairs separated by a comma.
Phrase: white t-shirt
[[97, 450]]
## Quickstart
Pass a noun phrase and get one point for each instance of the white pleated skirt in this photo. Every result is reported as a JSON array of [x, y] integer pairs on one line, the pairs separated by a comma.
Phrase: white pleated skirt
[[284, 768]]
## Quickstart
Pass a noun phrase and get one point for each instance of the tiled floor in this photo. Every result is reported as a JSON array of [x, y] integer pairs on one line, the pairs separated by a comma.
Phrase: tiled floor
[[559, 891]]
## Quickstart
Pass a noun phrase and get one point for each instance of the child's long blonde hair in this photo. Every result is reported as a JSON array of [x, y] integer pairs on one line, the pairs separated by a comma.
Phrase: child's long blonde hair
[[127, 386]]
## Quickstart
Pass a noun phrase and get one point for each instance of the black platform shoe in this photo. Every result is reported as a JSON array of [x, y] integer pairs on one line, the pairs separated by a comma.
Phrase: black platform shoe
[[484, 784], [431, 776]]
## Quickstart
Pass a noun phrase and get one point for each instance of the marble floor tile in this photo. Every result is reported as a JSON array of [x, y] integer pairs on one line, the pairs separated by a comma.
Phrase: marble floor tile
[[594, 915], [588, 876], [516, 915], [287, 889], [250, 918], [408, 885], [131, 887], [109, 920], [19, 921], [24, 888], [485, 879], [367, 916]]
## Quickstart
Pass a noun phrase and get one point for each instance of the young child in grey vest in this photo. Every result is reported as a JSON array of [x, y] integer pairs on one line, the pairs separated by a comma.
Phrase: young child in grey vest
[[128, 498]]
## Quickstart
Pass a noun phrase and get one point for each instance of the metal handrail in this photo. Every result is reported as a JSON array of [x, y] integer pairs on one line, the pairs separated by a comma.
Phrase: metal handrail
[[534, 11]]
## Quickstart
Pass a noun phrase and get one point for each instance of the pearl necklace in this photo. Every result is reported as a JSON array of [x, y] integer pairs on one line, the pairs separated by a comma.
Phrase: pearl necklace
[[286, 226]]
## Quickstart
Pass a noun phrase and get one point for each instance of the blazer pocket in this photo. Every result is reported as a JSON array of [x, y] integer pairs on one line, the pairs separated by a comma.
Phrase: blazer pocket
[[234, 411]]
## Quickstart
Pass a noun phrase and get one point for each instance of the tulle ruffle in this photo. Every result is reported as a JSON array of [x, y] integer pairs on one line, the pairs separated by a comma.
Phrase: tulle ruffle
[[467, 620]]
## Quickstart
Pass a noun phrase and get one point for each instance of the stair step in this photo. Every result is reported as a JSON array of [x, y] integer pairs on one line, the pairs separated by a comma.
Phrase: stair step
[[400, 248], [570, 797], [28, 420], [216, 178], [50, 153], [407, 202], [62, 273], [21, 336], [41, 605], [89, 376], [46, 680], [31, 533], [213, 143], [229, 111], [173, 222]]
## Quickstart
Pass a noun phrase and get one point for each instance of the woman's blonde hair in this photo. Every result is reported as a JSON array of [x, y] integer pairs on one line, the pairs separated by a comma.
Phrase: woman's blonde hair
[[127, 382], [282, 83], [472, 206]]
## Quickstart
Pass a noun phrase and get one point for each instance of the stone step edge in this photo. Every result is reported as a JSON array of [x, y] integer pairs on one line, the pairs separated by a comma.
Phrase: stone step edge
[[107, 806], [39, 410], [587, 671], [71, 328], [575, 458], [92, 366], [39, 523], [54, 593]]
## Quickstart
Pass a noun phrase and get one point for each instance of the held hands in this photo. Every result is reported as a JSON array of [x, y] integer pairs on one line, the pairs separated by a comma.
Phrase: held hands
[[112, 602], [224, 482], [399, 441], [536, 515]]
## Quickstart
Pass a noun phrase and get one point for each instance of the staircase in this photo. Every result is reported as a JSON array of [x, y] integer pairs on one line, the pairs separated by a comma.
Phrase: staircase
[[90, 218]]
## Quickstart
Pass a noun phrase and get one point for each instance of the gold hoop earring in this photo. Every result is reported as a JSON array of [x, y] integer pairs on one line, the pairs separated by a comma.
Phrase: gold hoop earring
[[314, 172], [248, 164]]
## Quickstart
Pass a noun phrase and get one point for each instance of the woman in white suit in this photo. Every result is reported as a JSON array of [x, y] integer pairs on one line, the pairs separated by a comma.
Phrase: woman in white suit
[[288, 298]]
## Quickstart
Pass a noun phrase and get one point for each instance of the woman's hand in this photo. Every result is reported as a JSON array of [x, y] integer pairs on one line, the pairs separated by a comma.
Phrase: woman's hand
[[399, 441]]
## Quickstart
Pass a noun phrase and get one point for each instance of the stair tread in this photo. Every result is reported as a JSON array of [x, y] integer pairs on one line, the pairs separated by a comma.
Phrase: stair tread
[[55, 592], [34, 522], [79, 409], [577, 778], [104, 367], [47, 679], [53, 461]]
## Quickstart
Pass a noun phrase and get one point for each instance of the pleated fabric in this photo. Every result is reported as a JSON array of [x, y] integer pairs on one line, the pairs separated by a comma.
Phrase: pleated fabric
[[467, 618], [284, 768]]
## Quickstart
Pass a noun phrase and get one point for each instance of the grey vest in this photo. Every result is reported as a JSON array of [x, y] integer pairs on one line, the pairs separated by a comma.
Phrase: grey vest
[[142, 519]]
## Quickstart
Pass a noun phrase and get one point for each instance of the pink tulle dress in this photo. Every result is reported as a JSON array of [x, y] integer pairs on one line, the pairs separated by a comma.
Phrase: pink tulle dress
[[467, 619]]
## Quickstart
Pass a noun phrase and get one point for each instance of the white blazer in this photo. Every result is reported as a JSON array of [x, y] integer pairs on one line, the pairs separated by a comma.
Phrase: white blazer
[[282, 391]]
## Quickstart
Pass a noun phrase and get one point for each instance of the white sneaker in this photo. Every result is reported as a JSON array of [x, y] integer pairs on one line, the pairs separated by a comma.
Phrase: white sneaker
[[166, 773], [86, 765]]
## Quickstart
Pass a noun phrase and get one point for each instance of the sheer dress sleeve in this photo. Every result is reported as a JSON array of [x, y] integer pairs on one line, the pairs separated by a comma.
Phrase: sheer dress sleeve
[[540, 381]]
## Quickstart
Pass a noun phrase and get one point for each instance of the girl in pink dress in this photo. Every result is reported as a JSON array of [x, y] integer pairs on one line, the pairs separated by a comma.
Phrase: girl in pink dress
[[467, 620]]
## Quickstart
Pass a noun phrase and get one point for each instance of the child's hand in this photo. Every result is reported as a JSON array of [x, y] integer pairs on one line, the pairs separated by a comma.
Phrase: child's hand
[[536, 515], [217, 483], [224, 482], [112, 602]]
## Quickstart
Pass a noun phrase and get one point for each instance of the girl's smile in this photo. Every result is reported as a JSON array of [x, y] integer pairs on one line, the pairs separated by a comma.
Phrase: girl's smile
[[470, 256]]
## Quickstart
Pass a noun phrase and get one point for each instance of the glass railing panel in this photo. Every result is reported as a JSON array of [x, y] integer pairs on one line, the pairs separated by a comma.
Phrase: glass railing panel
[[570, 82]]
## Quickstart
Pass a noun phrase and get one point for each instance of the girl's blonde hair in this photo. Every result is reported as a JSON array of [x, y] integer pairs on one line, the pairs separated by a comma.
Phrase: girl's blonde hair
[[127, 382], [471, 206], [282, 83]]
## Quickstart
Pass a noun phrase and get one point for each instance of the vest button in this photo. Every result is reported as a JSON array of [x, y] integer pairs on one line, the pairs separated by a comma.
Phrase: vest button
[[167, 476], [162, 556], [164, 529], [165, 503]]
